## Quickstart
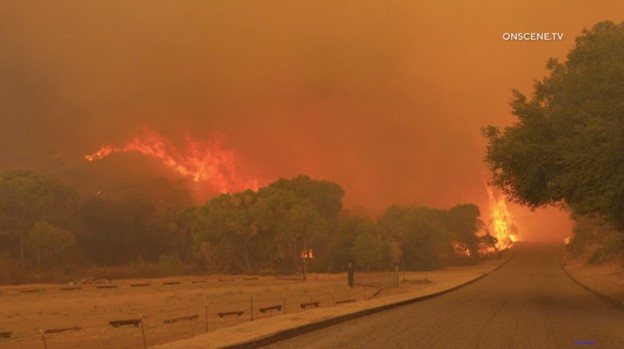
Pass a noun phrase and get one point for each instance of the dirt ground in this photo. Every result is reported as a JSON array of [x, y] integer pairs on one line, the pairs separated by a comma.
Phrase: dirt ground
[[26, 310], [607, 278]]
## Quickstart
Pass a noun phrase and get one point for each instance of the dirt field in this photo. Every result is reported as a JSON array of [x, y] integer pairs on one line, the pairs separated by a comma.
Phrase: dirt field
[[25, 310]]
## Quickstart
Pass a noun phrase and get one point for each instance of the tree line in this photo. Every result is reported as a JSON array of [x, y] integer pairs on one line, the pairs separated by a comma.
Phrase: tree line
[[45, 224], [566, 147]]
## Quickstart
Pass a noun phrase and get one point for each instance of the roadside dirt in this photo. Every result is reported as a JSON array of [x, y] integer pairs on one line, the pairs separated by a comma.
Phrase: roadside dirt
[[606, 279], [25, 310]]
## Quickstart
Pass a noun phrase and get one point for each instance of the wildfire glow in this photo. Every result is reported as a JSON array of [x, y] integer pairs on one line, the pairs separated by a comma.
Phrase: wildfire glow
[[201, 161], [460, 249], [501, 225]]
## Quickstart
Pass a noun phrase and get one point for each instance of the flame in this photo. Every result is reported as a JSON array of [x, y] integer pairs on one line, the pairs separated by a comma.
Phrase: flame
[[501, 225], [201, 161], [460, 249]]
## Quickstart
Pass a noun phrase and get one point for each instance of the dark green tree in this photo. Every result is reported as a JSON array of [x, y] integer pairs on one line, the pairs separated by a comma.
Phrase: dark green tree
[[119, 232], [27, 198], [49, 243], [464, 222], [421, 233], [324, 196], [567, 146]]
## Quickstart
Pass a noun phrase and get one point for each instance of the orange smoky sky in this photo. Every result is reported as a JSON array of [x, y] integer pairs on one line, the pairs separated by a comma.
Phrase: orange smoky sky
[[386, 98]]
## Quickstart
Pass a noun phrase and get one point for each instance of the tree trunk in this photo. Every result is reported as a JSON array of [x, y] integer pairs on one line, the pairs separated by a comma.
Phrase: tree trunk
[[247, 259], [21, 248]]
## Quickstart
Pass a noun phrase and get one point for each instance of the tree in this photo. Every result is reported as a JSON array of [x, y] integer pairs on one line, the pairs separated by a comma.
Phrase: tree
[[567, 146], [117, 232], [26, 198], [49, 242], [367, 249], [236, 224], [181, 229], [325, 197], [421, 233], [464, 222]]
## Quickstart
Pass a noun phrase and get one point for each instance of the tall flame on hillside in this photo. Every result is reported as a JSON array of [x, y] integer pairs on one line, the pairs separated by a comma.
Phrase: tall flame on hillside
[[201, 161], [501, 225]]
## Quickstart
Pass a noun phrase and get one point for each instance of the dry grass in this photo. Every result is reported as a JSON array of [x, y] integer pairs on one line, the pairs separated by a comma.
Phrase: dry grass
[[47, 307], [25, 313]]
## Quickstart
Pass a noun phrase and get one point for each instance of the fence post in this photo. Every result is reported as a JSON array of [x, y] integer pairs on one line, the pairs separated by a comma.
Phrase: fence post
[[398, 280], [251, 302], [206, 314], [45, 345], [143, 331], [284, 301]]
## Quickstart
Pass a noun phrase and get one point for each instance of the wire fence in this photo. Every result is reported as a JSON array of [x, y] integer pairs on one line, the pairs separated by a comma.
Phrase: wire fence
[[183, 316]]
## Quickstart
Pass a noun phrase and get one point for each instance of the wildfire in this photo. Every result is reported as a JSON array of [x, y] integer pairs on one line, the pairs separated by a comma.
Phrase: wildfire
[[460, 249], [201, 161], [501, 225]]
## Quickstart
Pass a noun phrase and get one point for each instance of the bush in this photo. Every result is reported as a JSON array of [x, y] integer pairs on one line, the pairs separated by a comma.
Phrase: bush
[[10, 271], [170, 265]]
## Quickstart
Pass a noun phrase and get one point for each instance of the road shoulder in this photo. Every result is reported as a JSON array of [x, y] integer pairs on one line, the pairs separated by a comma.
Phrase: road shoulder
[[605, 280]]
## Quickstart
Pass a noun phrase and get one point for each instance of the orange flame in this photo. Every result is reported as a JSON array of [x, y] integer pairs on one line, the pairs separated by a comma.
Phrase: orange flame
[[501, 225], [202, 161], [460, 249]]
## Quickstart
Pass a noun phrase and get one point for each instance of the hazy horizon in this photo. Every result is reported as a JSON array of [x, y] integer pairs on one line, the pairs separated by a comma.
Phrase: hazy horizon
[[385, 98]]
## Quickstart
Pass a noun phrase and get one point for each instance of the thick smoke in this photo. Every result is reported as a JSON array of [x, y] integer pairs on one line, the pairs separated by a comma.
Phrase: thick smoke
[[384, 97]]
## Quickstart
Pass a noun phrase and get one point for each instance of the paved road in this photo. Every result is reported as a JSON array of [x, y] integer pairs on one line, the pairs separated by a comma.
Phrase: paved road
[[528, 303]]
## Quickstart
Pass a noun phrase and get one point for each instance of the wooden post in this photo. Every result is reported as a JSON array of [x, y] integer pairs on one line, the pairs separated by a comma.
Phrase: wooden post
[[398, 281], [45, 345], [143, 331], [251, 302], [284, 301], [206, 314], [333, 297]]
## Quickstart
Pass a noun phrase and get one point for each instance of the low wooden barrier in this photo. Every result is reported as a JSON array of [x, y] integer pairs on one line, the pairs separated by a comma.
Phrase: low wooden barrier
[[33, 290], [128, 322], [63, 329], [309, 305], [345, 301], [273, 307], [106, 286], [181, 318]]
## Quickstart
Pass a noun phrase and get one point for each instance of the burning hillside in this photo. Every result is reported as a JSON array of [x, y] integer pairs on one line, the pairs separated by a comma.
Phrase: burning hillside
[[206, 162]]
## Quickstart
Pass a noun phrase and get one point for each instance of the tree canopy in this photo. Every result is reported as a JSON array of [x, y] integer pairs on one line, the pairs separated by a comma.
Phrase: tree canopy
[[567, 145], [27, 198], [267, 231]]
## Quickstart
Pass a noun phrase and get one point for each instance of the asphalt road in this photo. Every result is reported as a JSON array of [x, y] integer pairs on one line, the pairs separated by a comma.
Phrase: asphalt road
[[528, 303]]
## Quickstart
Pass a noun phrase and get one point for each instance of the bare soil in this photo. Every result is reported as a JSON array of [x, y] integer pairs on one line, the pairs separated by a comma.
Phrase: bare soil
[[606, 279], [26, 310]]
